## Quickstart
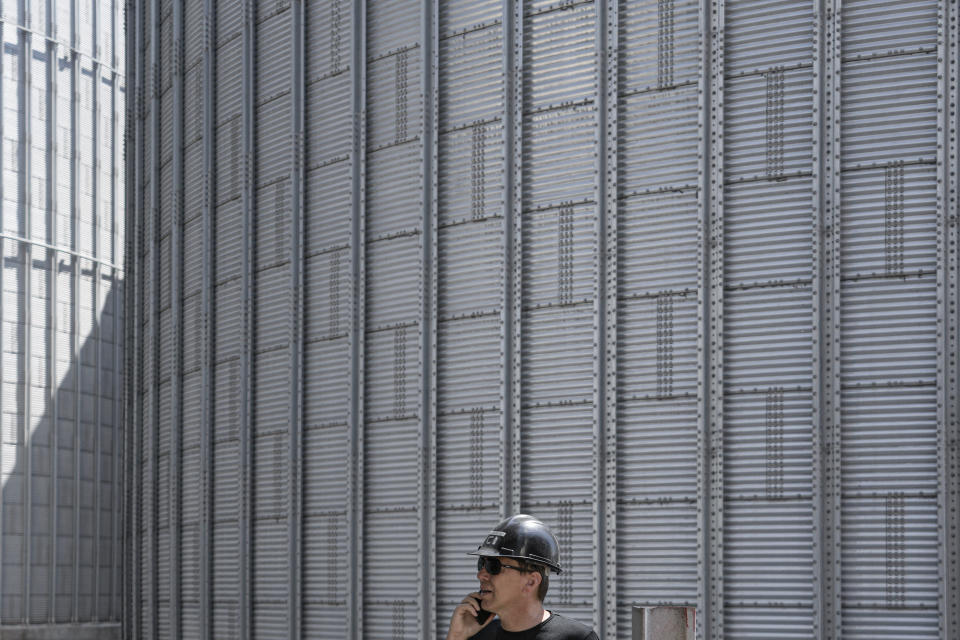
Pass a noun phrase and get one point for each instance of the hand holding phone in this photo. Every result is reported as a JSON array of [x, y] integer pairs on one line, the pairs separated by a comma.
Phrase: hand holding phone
[[482, 615], [468, 618]]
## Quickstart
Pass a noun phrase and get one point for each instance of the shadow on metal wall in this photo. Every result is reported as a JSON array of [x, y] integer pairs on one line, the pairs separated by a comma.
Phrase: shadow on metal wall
[[60, 575]]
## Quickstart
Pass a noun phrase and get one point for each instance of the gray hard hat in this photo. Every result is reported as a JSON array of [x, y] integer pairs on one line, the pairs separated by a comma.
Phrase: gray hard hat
[[522, 537]]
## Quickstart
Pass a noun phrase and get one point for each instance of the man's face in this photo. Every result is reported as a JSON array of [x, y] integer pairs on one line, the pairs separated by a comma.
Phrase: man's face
[[499, 591]]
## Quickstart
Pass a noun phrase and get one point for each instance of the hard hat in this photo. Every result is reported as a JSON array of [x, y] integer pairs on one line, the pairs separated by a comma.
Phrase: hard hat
[[522, 537]]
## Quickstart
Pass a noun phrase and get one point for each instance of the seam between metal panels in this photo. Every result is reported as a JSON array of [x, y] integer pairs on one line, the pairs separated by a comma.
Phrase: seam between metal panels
[[605, 347], [118, 437], [97, 319], [295, 444], [26, 190], [54, 298], [428, 327], [134, 203], [209, 308], [952, 627], [75, 340], [153, 525], [715, 372], [118, 440], [703, 309], [948, 463], [97, 447], [75, 278], [246, 426], [139, 250], [710, 327], [174, 463], [355, 417], [818, 103], [512, 256], [826, 330]]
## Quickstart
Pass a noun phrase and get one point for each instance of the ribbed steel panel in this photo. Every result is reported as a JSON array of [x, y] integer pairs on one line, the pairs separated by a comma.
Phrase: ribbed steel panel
[[662, 229], [470, 373], [273, 149], [558, 156], [388, 592], [768, 125], [657, 348], [754, 623], [328, 197], [659, 150], [659, 45], [391, 25], [392, 196], [467, 455], [671, 479], [559, 58], [890, 435], [768, 555], [470, 260], [459, 16], [672, 276], [887, 226], [767, 128], [765, 34], [393, 99], [558, 255], [471, 74], [558, 367], [392, 288], [328, 318], [889, 338], [860, 623], [325, 402], [470, 183], [656, 553], [889, 106], [888, 27], [761, 214], [766, 338], [325, 483], [890, 553], [768, 453]]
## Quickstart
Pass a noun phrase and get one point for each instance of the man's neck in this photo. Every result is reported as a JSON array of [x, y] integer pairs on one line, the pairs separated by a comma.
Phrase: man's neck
[[524, 617]]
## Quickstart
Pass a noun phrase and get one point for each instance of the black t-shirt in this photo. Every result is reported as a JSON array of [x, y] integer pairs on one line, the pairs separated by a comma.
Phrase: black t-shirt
[[556, 627]]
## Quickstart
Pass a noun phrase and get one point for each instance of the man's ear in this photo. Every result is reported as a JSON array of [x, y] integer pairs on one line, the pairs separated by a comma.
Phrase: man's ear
[[534, 580]]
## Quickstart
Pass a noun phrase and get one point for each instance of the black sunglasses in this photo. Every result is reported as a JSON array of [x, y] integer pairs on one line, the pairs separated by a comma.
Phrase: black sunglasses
[[493, 566]]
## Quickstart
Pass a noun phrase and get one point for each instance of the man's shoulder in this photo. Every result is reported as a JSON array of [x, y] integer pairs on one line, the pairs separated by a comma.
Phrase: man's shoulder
[[564, 628]]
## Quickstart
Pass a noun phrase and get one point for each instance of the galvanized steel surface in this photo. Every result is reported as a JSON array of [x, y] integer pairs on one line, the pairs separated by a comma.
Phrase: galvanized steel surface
[[62, 244], [678, 277]]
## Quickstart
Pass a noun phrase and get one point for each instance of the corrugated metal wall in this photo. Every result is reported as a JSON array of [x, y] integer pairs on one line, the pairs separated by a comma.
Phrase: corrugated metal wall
[[62, 99], [678, 277]]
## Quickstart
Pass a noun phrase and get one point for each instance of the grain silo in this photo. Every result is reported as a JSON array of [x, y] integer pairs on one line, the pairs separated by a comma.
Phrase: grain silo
[[63, 104], [678, 277]]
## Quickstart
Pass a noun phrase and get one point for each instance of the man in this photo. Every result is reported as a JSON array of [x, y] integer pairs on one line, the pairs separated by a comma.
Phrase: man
[[514, 565]]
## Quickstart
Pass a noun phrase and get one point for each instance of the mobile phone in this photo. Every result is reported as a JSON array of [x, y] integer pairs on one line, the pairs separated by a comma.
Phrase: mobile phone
[[482, 615]]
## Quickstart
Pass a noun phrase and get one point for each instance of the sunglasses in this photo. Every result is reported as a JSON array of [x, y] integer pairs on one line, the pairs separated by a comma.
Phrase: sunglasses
[[493, 566]]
